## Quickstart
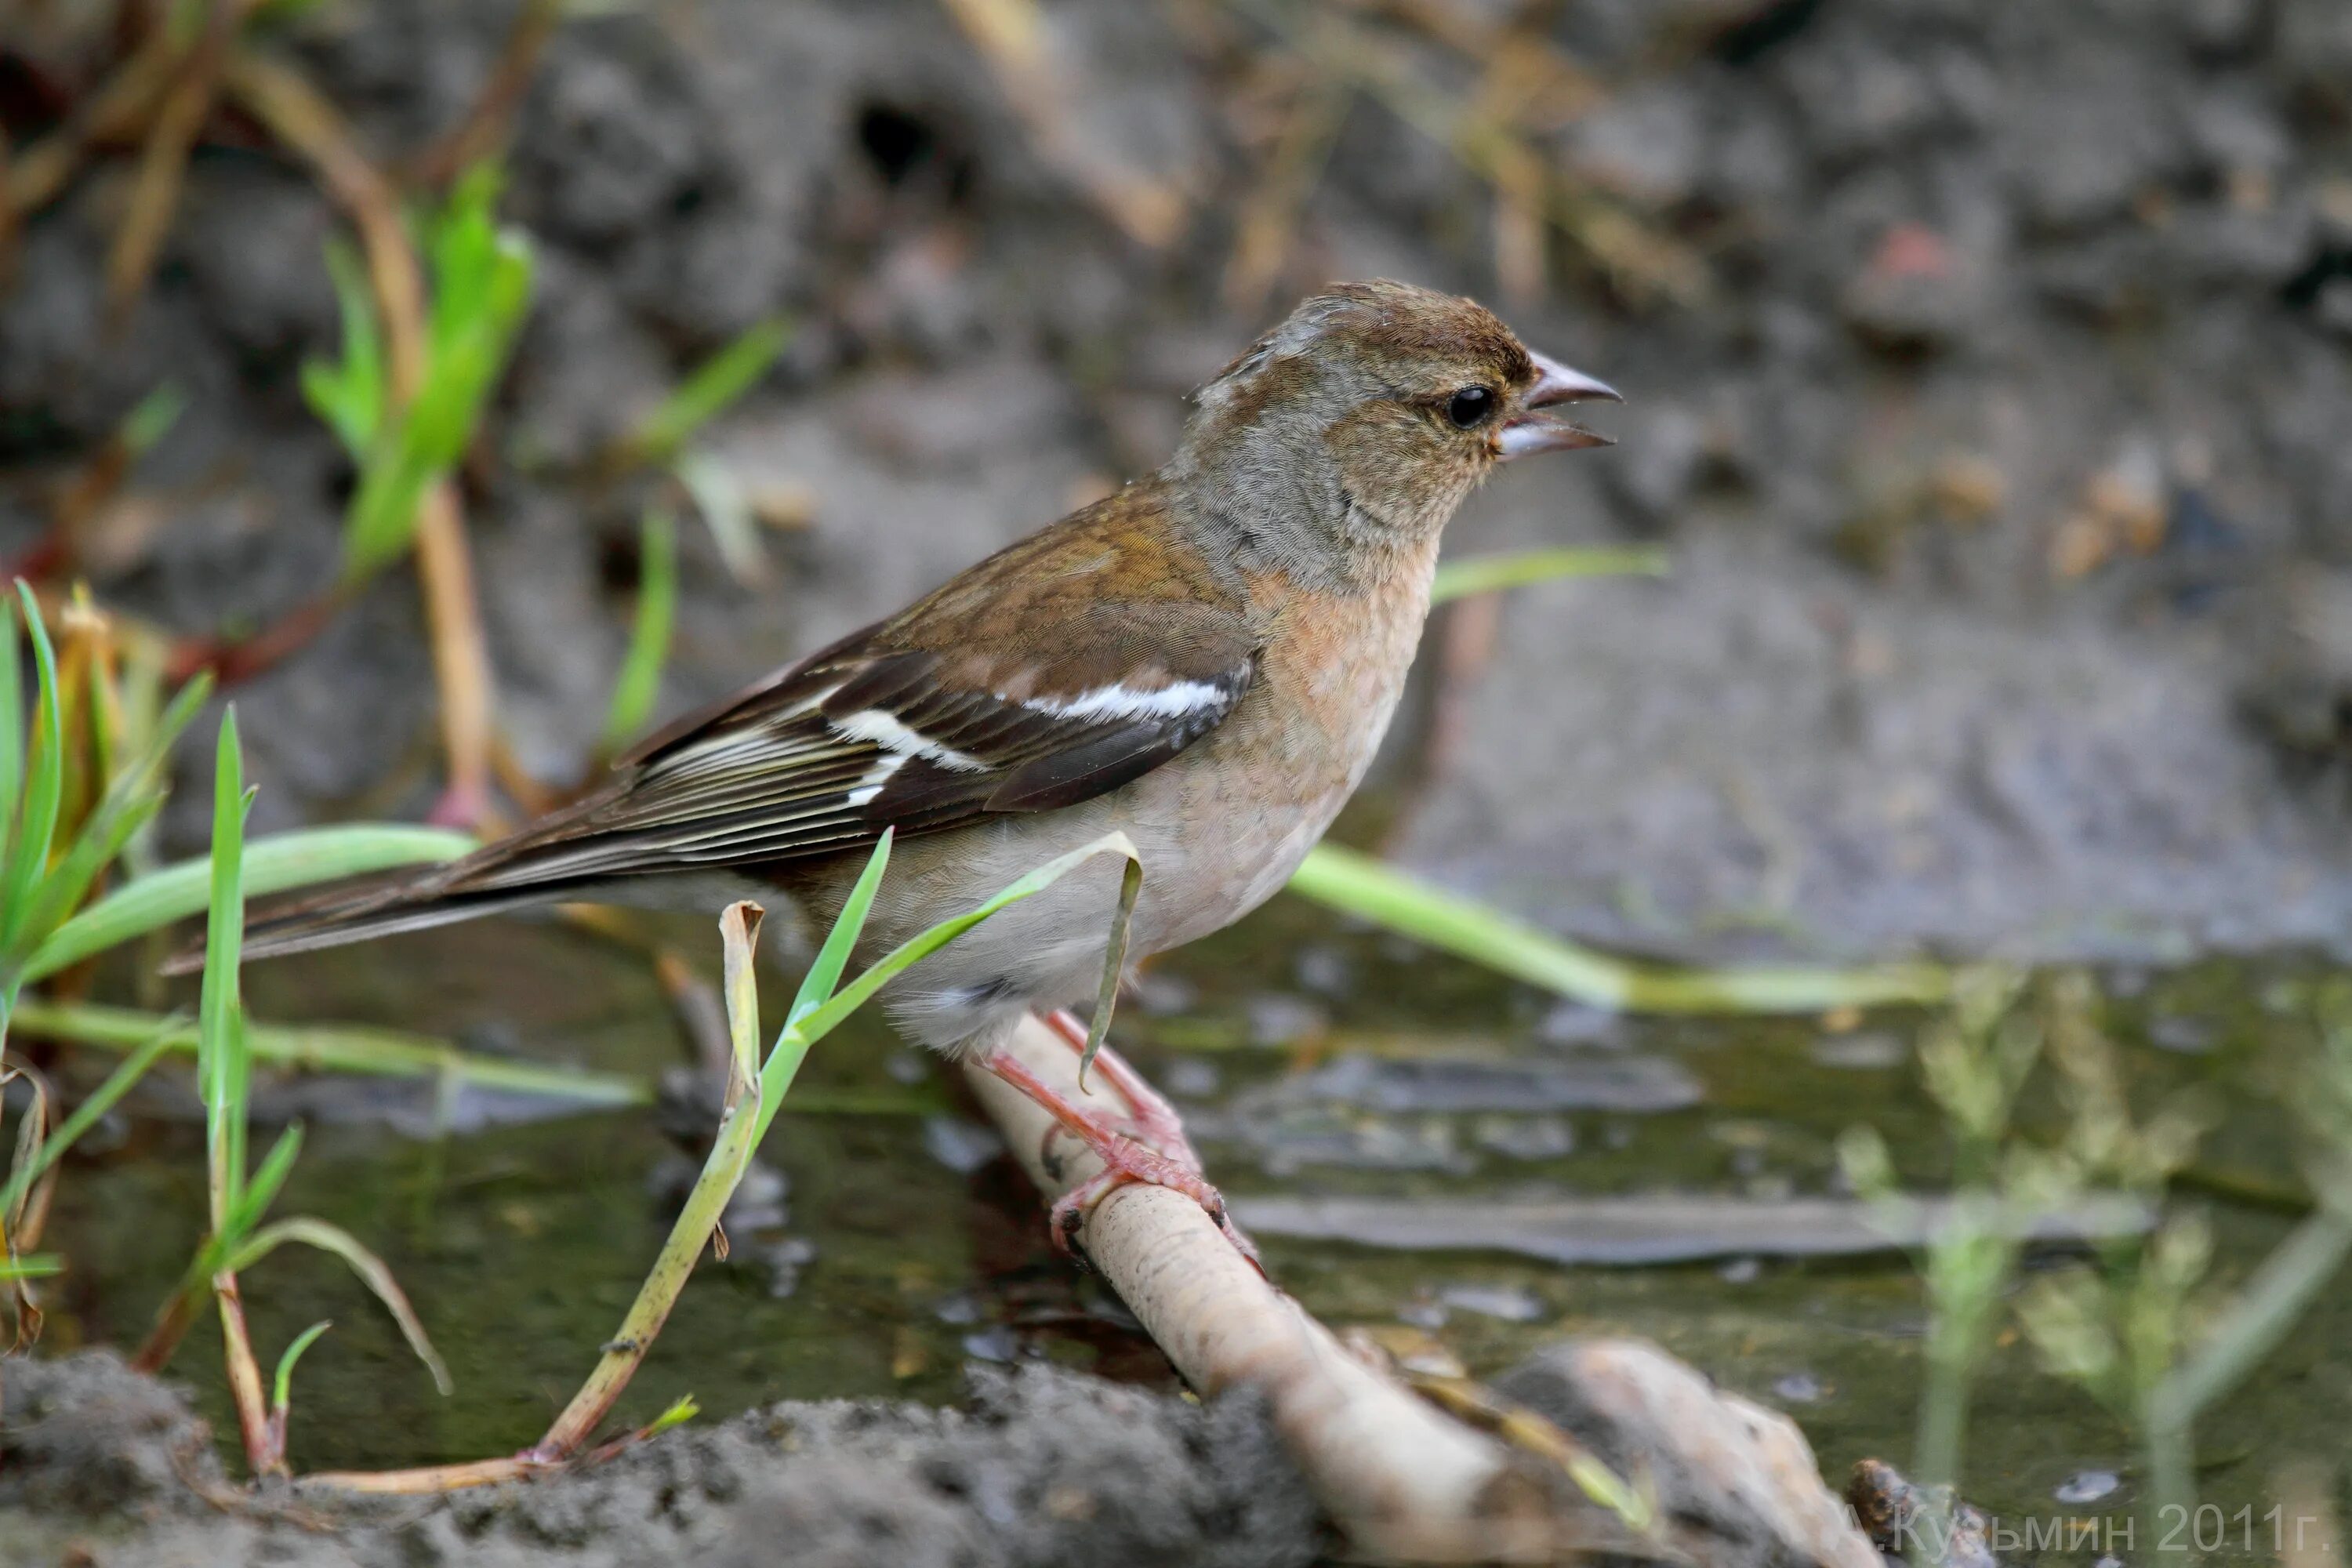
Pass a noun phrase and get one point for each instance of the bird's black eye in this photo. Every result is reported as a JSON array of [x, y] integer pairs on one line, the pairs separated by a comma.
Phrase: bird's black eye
[[1469, 406]]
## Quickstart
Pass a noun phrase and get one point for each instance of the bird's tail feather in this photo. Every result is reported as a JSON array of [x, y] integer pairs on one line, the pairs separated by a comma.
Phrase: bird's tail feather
[[380, 907]]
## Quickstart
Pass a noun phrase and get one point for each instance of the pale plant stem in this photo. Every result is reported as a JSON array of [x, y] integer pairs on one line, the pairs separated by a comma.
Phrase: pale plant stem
[[697, 1222], [245, 1378]]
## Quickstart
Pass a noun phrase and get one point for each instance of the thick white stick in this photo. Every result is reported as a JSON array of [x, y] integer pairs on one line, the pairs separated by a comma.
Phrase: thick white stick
[[1406, 1481]]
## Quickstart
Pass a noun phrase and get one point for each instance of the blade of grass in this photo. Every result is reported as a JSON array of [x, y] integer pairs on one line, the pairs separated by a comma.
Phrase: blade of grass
[[2263, 1313], [281, 1393], [1357, 885], [375, 1053], [1518, 569], [370, 1268], [32, 1265], [349, 395], [641, 671], [705, 1206], [222, 1066], [12, 728], [793, 1045], [84, 1117], [31, 1135], [262, 1188], [133, 798], [272, 865], [1130, 888], [282, 1387], [36, 821], [824, 976], [708, 391]]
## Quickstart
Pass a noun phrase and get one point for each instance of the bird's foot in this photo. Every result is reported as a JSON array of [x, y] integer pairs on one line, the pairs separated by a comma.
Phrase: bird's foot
[[1151, 1120], [1118, 1142]]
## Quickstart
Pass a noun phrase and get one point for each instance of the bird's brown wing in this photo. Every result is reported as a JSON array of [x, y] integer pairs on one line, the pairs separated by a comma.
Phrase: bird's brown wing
[[874, 733]]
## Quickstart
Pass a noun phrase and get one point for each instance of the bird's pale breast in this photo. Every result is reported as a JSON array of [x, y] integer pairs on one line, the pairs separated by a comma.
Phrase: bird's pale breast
[[1218, 830]]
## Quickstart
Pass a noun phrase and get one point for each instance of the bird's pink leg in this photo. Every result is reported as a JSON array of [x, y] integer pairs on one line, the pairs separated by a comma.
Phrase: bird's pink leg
[[1154, 1118], [1125, 1158]]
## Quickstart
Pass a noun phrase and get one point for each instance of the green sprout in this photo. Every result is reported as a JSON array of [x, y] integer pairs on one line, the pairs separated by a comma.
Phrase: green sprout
[[1355, 884], [2141, 1331], [709, 389], [640, 679], [1524, 568], [1975, 1061], [239, 1196], [481, 283]]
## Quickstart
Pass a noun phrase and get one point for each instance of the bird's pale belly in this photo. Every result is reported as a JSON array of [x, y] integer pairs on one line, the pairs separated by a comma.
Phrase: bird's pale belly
[[1219, 830]]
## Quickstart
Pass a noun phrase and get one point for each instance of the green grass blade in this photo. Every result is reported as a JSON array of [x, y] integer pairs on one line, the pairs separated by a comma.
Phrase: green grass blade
[[824, 976], [1130, 888], [282, 1387], [792, 1044], [1357, 885], [2259, 1316], [338, 1242], [679, 1413], [222, 1067], [1521, 568], [641, 670], [133, 798], [151, 419], [36, 821], [33, 1266], [118, 1082], [374, 1053], [712, 388], [269, 1178], [12, 728], [349, 396], [272, 865]]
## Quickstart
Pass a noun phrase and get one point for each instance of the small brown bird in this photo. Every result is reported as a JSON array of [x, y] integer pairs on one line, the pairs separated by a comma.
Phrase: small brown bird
[[1205, 660]]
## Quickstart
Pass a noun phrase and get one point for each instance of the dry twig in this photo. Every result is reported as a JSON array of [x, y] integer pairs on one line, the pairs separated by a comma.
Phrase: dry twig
[[1403, 1479]]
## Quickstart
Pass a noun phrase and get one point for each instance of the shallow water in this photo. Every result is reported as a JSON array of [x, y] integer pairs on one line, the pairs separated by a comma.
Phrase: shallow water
[[1308, 1058]]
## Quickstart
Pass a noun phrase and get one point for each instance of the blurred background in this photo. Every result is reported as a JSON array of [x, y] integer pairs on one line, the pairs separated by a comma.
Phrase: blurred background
[[1988, 378]]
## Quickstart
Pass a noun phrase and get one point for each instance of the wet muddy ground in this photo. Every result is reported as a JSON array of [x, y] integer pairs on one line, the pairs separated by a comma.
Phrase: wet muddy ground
[[899, 1256]]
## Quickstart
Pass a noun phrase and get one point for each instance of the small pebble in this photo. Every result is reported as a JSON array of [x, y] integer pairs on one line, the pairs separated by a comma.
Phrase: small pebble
[[1869, 1051], [1798, 1388], [997, 1343], [2086, 1486], [1325, 971], [908, 1067], [1190, 1077], [1511, 1303], [783, 1259], [2186, 1037], [961, 1146], [1423, 1314], [1277, 1018], [1579, 1024], [958, 1309], [1740, 1271], [1161, 995], [1526, 1137]]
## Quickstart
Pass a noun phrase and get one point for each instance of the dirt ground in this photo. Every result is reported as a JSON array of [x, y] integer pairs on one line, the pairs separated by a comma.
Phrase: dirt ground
[[2002, 451], [1042, 1468]]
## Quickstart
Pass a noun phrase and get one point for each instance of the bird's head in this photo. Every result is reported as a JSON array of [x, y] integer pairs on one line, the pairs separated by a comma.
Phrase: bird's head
[[1400, 399]]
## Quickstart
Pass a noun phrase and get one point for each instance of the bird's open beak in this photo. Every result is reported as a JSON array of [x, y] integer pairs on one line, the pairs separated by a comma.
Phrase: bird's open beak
[[1525, 435]]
